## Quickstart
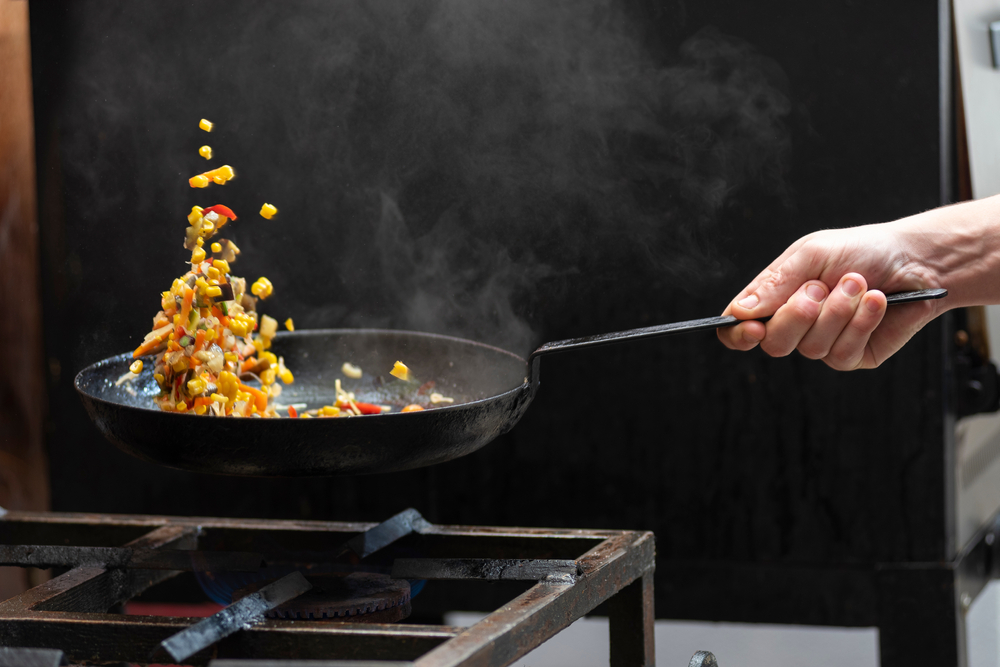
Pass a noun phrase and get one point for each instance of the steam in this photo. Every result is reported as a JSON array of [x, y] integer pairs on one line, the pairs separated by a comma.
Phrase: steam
[[440, 165], [529, 143]]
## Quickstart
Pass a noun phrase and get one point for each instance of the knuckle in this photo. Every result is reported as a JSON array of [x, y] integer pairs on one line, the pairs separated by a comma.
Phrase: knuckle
[[843, 359], [804, 311], [841, 310], [775, 349], [813, 351], [835, 365]]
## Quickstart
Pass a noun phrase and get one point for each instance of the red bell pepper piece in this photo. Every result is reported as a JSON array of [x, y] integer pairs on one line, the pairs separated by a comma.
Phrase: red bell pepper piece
[[368, 408], [221, 210], [292, 412]]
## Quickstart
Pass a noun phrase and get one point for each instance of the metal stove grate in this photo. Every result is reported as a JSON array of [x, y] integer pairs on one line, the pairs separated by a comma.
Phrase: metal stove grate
[[113, 558]]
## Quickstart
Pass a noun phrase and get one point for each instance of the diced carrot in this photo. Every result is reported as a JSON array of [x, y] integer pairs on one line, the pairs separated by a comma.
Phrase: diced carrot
[[161, 322], [149, 346], [202, 400], [412, 407], [186, 304], [259, 397], [247, 365], [199, 340]]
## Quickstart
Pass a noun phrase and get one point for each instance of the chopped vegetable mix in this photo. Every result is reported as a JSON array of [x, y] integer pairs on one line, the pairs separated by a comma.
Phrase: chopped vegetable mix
[[209, 341]]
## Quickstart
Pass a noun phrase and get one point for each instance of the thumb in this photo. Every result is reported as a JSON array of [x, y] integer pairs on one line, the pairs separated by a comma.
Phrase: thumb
[[775, 285]]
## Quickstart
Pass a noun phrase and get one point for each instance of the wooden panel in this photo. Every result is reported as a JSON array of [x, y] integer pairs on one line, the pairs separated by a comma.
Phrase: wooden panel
[[23, 466]]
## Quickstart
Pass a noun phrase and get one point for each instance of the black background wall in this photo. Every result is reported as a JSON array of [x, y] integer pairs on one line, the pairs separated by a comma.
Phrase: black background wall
[[515, 172]]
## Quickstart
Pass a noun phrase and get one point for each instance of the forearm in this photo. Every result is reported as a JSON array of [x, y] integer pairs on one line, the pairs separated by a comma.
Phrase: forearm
[[956, 247]]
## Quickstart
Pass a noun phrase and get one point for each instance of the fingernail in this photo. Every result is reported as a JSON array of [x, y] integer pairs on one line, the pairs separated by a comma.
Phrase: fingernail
[[850, 287], [873, 305], [815, 292], [748, 301]]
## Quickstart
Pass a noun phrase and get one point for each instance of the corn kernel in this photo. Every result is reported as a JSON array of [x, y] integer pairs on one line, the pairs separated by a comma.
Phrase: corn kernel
[[287, 377], [158, 377], [200, 241], [219, 179], [226, 172], [305, 415], [181, 406], [197, 255], [200, 409], [199, 181], [258, 343], [230, 357], [214, 291], [206, 125], [330, 411], [194, 218], [213, 273], [136, 366], [219, 398], [262, 288], [270, 357], [210, 335], [268, 376], [205, 152], [180, 365], [201, 285], [268, 211], [289, 324], [238, 328], [216, 247], [221, 265], [229, 384], [196, 386]]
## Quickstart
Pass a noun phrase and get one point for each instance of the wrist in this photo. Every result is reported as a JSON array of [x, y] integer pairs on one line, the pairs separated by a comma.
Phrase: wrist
[[956, 247]]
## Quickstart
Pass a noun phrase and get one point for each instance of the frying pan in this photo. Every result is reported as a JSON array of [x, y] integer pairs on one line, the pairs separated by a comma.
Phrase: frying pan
[[491, 389]]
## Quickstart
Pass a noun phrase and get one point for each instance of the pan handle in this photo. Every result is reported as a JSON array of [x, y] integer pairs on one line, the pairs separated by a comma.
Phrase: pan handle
[[693, 325]]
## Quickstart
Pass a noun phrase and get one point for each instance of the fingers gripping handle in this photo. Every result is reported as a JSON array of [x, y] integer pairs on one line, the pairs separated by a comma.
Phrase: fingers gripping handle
[[704, 324]]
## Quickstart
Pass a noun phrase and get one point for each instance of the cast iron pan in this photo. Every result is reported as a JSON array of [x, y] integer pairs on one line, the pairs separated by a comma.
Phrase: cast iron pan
[[492, 388]]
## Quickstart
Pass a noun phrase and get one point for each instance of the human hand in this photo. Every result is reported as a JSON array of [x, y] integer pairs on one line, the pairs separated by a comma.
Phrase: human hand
[[826, 293]]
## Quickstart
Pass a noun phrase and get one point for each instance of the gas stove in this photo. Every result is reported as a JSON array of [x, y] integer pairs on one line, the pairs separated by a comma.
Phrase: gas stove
[[293, 590]]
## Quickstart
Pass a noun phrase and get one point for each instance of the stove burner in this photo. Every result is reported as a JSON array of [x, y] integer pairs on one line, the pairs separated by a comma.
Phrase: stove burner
[[360, 597]]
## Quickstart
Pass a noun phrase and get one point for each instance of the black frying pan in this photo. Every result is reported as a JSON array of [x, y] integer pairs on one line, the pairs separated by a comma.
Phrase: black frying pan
[[492, 388]]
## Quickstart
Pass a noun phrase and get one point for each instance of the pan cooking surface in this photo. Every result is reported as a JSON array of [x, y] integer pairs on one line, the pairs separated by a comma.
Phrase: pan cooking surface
[[488, 384]]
